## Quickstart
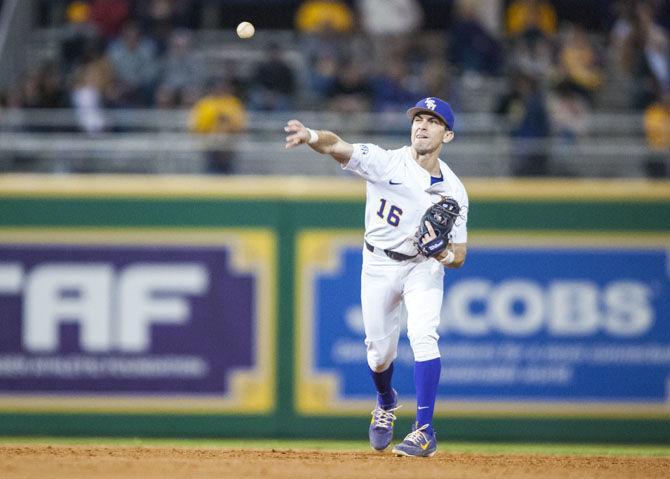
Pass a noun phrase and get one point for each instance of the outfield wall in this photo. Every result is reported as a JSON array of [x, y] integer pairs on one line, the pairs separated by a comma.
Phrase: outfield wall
[[160, 306]]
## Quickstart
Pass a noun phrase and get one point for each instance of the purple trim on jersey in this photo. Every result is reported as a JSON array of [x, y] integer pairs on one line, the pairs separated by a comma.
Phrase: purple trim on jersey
[[436, 179]]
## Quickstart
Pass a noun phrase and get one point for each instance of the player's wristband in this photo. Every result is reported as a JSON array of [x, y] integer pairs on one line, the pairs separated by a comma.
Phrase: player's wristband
[[448, 258], [313, 136]]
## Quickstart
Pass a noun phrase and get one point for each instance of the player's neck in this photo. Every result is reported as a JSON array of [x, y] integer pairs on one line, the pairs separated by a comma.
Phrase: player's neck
[[428, 161]]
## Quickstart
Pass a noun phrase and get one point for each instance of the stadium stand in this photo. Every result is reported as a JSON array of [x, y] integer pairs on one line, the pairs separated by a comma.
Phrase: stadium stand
[[112, 86]]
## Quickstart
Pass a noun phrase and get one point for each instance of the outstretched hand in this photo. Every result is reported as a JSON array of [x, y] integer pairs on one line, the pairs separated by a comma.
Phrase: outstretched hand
[[298, 134]]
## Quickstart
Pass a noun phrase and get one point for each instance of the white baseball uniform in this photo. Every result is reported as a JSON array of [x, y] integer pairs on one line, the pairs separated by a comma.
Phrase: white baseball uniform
[[398, 193]]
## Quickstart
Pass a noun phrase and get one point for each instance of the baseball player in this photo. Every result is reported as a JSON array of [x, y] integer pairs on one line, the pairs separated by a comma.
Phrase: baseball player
[[401, 185]]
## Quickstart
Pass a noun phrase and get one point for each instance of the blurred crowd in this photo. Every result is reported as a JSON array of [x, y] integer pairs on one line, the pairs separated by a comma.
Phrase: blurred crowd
[[366, 55]]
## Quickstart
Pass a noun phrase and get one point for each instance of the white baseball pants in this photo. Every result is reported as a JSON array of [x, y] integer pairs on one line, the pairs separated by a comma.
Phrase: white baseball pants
[[385, 283]]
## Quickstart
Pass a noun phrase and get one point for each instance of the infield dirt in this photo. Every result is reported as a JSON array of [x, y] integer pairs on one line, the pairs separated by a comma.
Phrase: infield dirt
[[101, 462]]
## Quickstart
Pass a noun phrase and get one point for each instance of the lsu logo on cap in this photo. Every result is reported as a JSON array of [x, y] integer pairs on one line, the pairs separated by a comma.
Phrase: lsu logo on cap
[[435, 106]]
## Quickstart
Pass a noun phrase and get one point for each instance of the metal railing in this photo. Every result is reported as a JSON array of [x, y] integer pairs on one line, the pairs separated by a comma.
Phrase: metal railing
[[597, 124], [155, 141]]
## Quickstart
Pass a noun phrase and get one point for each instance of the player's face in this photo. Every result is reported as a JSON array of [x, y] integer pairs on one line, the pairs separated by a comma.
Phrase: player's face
[[428, 133]]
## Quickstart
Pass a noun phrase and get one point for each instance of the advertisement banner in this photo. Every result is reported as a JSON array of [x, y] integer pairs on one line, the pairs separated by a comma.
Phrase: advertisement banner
[[544, 324], [137, 320]]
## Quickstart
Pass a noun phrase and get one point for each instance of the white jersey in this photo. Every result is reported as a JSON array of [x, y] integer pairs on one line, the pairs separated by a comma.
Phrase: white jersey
[[398, 193]]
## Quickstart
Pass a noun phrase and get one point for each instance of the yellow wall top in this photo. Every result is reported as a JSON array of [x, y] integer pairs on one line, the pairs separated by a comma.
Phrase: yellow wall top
[[314, 188]]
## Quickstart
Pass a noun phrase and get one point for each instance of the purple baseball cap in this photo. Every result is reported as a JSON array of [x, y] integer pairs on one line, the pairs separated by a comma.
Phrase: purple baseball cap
[[434, 106]]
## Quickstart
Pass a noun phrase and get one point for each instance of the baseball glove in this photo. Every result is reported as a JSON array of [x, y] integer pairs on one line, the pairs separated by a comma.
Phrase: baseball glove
[[441, 216]]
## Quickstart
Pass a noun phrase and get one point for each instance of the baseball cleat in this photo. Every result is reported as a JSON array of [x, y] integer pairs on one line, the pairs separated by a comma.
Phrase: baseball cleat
[[381, 425], [417, 443]]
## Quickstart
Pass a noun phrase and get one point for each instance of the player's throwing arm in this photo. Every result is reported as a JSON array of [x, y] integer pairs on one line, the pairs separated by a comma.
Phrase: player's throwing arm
[[321, 141]]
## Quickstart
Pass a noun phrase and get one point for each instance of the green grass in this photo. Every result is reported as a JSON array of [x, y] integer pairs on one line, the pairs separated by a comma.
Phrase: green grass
[[455, 447]]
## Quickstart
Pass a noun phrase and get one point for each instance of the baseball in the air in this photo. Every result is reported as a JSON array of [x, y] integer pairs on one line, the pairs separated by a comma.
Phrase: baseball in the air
[[245, 30]]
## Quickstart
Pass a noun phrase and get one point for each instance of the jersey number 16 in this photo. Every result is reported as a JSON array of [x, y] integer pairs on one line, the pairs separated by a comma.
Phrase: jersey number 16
[[394, 213]]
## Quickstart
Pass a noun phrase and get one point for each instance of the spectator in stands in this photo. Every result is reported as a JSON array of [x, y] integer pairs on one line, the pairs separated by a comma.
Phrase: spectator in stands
[[155, 18], [525, 112], [386, 18], [324, 16], [621, 32], [39, 88], [351, 91], [274, 83], [657, 48], [641, 48], [133, 59], [322, 74], [535, 57], [93, 89], [178, 68], [88, 101], [568, 112], [79, 33], [159, 18], [52, 91], [221, 111], [325, 25], [490, 14], [389, 24], [657, 131], [579, 63], [471, 47], [531, 18], [392, 89], [661, 12], [110, 16], [36, 90], [435, 79]]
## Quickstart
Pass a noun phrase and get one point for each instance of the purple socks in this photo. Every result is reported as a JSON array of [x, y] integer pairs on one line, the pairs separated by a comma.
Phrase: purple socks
[[385, 395], [426, 380]]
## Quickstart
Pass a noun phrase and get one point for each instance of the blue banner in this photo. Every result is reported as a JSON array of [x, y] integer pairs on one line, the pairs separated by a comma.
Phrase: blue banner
[[543, 325]]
